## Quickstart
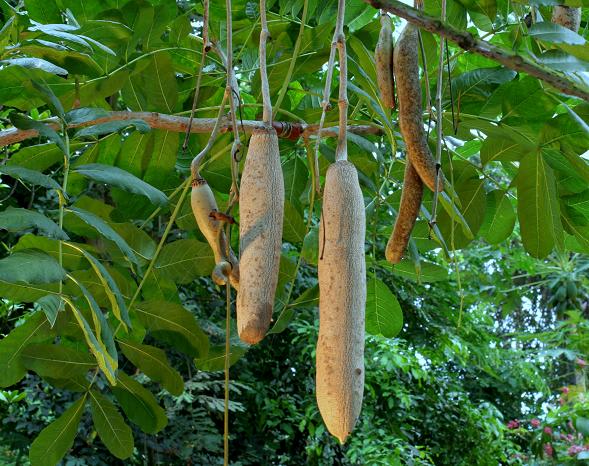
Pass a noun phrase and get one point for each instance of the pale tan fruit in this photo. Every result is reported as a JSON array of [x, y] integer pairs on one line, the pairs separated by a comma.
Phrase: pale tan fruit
[[408, 211], [261, 210], [566, 16], [221, 272], [342, 301], [203, 203], [410, 108], [383, 58]]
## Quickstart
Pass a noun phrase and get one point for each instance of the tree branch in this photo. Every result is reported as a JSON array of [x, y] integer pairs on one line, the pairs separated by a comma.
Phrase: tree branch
[[470, 43], [178, 124]]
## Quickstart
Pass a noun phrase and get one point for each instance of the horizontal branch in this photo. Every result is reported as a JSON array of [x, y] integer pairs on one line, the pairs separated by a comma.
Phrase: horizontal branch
[[470, 43], [178, 124]]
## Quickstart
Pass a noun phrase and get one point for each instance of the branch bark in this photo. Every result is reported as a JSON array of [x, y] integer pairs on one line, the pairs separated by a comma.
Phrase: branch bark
[[472, 44], [178, 124]]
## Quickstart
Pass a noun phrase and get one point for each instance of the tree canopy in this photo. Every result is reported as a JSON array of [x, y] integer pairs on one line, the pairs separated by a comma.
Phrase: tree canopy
[[111, 324]]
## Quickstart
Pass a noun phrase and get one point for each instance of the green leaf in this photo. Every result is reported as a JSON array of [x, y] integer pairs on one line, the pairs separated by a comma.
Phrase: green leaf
[[383, 312], [155, 89], [427, 272], [562, 61], [44, 130], [578, 203], [20, 293], [34, 330], [296, 176], [503, 149], [31, 267], [39, 157], [110, 425], [17, 219], [51, 306], [122, 179], [499, 219], [56, 361], [294, 226], [49, 97], [310, 250], [537, 207], [215, 360], [35, 64], [172, 323], [72, 259], [119, 308], [107, 363], [582, 424], [106, 230], [30, 176], [555, 33], [100, 129], [184, 260], [80, 116], [58, 437], [154, 363], [139, 404]]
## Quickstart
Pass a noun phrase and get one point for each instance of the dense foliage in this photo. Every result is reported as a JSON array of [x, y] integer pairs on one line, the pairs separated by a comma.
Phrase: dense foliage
[[113, 332]]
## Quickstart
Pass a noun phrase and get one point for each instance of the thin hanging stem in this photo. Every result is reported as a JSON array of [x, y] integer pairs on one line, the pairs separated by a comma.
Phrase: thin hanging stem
[[206, 46], [227, 359], [62, 196], [264, 34], [233, 93], [342, 143], [235, 149], [197, 160], [325, 105], [439, 120]]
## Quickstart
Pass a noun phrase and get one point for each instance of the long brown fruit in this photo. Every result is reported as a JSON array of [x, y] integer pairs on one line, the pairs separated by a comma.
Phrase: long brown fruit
[[261, 210], [411, 196], [410, 107], [342, 301], [383, 59]]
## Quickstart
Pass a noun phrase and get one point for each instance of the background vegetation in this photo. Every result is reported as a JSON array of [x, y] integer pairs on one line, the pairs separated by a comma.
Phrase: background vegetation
[[476, 343]]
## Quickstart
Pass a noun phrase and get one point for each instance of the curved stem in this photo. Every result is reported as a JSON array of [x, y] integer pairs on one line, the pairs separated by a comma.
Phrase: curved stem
[[439, 119], [197, 160], [342, 143], [206, 46], [264, 34]]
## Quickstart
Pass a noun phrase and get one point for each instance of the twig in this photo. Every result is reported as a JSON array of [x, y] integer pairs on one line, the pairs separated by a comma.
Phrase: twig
[[196, 161], [206, 46], [325, 105], [467, 41], [340, 38], [264, 34], [439, 119], [178, 124], [231, 90], [227, 360]]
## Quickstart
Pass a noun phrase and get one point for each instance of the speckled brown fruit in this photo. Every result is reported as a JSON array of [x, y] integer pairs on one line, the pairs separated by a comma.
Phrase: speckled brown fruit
[[383, 59], [408, 211], [261, 210], [566, 16], [342, 301], [410, 108]]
